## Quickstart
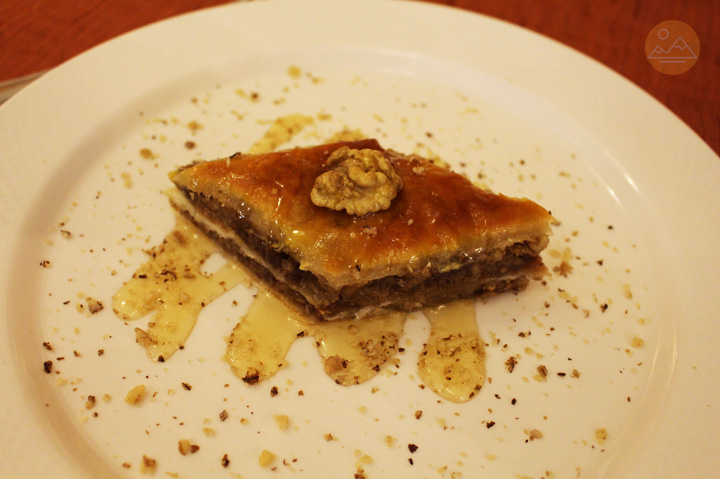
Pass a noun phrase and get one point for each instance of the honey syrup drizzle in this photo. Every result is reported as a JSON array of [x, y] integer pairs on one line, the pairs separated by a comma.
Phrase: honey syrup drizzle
[[352, 351], [452, 362], [259, 342], [171, 283]]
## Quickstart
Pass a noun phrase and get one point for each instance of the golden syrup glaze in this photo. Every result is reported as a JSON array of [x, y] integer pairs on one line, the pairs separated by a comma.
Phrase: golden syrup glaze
[[352, 351], [452, 362], [437, 216], [172, 285]]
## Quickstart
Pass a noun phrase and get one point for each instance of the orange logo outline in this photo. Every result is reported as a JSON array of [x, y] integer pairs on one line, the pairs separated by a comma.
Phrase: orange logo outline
[[672, 47]]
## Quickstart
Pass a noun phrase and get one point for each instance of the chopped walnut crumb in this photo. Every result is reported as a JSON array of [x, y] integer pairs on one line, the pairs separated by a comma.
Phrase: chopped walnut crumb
[[225, 461], [334, 364], [534, 434], [563, 269], [252, 376], [186, 447], [294, 72], [282, 420], [266, 458], [94, 306], [148, 465], [135, 395], [359, 182], [370, 230], [147, 154], [510, 363], [194, 126]]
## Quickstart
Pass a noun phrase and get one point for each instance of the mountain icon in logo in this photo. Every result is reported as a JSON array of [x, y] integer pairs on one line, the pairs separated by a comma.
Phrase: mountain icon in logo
[[679, 52], [672, 47]]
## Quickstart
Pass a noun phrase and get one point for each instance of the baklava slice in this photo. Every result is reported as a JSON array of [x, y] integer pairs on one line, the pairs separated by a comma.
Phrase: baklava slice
[[350, 229]]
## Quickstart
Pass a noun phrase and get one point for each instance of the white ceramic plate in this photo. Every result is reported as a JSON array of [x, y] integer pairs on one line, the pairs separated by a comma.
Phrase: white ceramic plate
[[635, 191]]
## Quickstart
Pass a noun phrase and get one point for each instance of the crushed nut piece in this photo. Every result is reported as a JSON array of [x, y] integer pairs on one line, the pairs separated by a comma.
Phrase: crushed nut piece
[[359, 182], [564, 269], [143, 338], [266, 458], [510, 363], [94, 306], [282, 420], [535, 434], [135, 395], [185, 447], [601, 435], [335, 364], [147, 154], [148, 465]]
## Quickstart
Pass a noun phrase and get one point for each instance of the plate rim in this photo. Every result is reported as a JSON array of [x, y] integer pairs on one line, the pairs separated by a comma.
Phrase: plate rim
[[47, 86]]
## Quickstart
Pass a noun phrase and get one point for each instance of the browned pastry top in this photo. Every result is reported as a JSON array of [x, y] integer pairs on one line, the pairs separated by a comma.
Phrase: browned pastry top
[[438, 218]]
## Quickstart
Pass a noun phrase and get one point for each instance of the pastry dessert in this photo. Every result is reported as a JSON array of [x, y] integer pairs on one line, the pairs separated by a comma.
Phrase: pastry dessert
[[351, 229]]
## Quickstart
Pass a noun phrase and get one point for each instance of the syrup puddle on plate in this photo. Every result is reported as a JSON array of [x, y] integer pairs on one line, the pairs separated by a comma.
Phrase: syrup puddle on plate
[[173, 287]]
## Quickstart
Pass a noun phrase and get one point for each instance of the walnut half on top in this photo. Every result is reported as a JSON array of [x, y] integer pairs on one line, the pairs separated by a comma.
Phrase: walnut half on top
[[359, 182]]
